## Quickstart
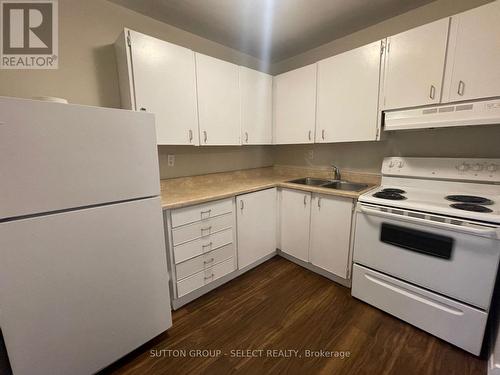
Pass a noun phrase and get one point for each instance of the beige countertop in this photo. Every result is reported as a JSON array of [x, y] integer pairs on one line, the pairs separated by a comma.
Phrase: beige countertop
[[187, 191]]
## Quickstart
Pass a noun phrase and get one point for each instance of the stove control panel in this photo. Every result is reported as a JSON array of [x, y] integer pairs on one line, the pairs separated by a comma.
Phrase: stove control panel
[[486, 170]]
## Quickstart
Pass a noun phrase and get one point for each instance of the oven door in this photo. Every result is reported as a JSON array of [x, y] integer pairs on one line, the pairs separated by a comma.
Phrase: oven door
[[457, 261]]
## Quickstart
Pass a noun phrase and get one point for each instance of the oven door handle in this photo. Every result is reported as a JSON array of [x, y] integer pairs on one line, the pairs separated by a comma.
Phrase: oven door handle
[[487, 232]]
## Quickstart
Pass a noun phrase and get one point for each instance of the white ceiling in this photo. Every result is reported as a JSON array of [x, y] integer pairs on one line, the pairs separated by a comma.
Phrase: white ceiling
[[271, 30]]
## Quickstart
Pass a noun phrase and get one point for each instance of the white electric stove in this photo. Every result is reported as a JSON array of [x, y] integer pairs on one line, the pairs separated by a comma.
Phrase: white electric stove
[[427, 245]]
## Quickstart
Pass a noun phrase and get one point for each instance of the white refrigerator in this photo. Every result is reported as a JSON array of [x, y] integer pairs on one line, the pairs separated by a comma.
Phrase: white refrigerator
[[83, 270]]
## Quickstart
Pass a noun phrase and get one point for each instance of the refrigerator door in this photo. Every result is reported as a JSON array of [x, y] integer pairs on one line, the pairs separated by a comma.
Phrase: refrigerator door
[[80, 289], [57, 156]]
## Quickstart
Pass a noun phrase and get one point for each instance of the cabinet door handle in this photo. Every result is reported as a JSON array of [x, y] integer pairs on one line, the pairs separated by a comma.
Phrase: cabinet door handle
[[144, 109], [246, 137], [319, 202], [461, 88], [309, 135], [190, 135], [206, 245], [205, 136], [242, 205], [323, 134], [305, 200], [432, 92], [209, 277]]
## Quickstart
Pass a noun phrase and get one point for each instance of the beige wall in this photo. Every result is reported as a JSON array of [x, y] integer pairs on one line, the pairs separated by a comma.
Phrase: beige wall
[[190, 160], [367, 156], [87, 75], [87, 71], [419, 16], [467, 142]]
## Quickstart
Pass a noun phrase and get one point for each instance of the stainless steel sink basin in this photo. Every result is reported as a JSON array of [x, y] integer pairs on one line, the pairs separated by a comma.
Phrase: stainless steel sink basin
[[330, 184], [345, 185], [311, 181]]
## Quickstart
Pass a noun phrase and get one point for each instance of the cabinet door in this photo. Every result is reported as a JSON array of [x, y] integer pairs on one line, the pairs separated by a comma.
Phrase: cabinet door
[[331, 233], [256, 223], [294, 106], [475, 60], [218, 101], [294, 217], [256, 107], [164, 77], [415, 66], [348, 87]]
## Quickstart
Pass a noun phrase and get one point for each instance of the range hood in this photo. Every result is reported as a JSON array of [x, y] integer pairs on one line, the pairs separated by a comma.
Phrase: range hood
[[484, 112]]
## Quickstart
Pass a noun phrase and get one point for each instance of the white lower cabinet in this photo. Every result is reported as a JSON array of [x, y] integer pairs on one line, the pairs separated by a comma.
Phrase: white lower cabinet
[[256, 223], [226, 237], [331, 218], [295, 222], [202, 246], [317, 229]]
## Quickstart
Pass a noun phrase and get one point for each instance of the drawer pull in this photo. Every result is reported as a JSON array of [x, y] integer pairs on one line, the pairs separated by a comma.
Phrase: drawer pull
[[209, 277], [209, 229], [207, 212], [206, 245], [208, 261], [414, 295]]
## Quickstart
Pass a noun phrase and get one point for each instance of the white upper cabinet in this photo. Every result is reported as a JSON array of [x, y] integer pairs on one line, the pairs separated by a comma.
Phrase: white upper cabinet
[[414, 66], [218, 101], [160, 77], [330, 233], [256, 218], [474, 55], [294, 106], [348, 91], [256, 91], [294, 219]]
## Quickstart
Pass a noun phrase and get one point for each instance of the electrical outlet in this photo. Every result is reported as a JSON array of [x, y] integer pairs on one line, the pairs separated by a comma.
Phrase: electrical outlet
[[310, 154], [171, 160]]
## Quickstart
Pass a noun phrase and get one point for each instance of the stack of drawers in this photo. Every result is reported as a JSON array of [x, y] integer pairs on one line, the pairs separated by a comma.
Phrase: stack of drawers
[[203, 244]]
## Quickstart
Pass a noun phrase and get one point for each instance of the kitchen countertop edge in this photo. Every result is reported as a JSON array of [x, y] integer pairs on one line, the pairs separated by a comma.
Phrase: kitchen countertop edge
[[251, 189]]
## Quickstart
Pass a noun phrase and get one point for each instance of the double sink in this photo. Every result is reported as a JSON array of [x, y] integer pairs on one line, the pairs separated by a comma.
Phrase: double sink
[[330, 184]]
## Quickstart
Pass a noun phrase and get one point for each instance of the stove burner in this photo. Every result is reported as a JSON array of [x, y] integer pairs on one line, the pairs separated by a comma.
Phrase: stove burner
[[393, 190], [470, 207], [389, 195], [469, 199]]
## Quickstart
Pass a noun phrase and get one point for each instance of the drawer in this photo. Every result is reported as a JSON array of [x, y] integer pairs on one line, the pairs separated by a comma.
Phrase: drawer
[[192, 214], [199, 263], [203, 245], [445, 318], [199, 279], [202, 229]]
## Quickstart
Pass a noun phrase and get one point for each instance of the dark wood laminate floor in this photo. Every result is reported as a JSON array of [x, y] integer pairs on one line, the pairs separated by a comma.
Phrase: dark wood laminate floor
[[280, 305]]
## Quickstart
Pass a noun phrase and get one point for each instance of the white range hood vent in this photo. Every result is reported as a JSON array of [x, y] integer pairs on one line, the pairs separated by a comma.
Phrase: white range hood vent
[[460, 114]]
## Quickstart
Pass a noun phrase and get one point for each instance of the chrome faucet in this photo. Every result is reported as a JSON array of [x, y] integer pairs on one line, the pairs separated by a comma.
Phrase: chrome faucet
[[336, 172]]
